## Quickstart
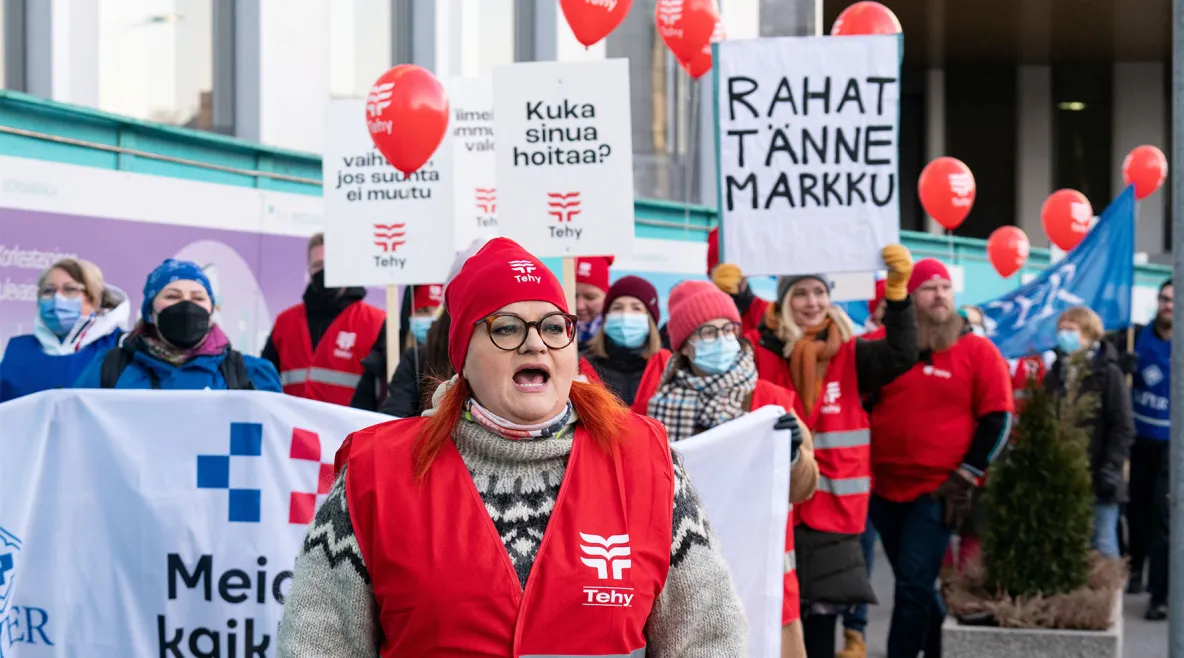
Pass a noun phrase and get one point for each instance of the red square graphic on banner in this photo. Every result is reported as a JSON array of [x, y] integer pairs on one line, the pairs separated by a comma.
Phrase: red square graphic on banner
[[325, 482], [305, 445], [302, 508]]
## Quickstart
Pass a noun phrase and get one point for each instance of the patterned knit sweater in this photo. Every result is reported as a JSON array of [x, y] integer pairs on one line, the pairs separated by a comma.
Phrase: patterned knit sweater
[[330, 611]]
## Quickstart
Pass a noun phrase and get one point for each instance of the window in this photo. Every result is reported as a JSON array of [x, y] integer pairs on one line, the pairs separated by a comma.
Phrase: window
[[1083, 129], [661, 94], [156, 60], [360, 45]]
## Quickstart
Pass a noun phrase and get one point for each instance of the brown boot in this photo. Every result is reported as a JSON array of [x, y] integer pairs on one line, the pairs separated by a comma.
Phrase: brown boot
[[855, 647]]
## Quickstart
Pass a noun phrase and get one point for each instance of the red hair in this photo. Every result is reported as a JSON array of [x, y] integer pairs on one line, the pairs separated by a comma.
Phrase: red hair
[[601, 414]]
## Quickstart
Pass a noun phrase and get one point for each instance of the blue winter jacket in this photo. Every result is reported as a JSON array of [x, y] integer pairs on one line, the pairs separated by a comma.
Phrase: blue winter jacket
[[199, 373], [27, 369]]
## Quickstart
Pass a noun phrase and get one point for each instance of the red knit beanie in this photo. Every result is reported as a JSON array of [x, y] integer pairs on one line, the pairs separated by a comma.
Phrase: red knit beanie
[[593, 271], [429, 296], [693, 303], [712, 250], [927, 269], [636, 287], [501, 273], [881, 290]]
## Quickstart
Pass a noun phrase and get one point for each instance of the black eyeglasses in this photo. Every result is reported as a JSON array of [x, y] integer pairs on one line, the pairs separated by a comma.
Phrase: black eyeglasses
[[508, 332], [708, 333]]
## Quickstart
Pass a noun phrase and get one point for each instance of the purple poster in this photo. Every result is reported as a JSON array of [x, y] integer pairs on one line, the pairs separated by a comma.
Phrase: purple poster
[[255, 276]]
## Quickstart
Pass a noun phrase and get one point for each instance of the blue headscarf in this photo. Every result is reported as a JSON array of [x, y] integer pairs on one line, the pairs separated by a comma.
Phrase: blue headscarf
[[164, 274]]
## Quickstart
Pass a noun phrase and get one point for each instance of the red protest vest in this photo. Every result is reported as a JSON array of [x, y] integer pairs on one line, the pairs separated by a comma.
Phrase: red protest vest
[[651, 377], [333, 372], [842, 445], [443, 581]]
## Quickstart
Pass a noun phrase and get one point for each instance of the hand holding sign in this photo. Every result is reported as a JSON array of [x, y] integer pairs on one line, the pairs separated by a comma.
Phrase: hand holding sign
[[865, 18], [407, 115], [1008, 249], [1147, 168], [947, 190], [592, 20], [1066, 215], [686, 26]]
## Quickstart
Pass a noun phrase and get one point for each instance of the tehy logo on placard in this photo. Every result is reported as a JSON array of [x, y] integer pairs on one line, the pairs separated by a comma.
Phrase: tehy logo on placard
[[563, 207], [669, 11], [1082, 215], [388, 237], [961, 184], [486, 200]]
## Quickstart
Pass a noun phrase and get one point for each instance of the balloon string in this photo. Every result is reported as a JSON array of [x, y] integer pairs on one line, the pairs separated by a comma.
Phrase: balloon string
[[950, 239]]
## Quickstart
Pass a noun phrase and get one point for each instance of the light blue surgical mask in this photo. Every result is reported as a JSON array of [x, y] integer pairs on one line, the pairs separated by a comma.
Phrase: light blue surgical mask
[[717, 356], [420, 325], [629, 330], [60, 313], [1069, 340]]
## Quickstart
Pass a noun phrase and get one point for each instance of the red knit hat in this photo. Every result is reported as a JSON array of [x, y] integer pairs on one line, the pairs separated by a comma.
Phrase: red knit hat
[[927, 269], [881, 290], [639, 288], [429, 296], [593, 271], [501, 273], [712, 250], [692, 303]]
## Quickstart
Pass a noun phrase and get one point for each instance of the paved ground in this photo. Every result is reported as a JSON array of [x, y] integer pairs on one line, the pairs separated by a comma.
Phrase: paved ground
[[1142, 639]]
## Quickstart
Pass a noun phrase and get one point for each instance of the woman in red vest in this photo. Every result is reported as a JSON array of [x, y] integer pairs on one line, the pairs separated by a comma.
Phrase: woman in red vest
[[530, 514], [626, 352], [712, 380], [807, 345]]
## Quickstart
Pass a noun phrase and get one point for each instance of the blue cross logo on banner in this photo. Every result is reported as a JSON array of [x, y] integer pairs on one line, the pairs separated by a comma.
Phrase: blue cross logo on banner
[[213, 472]]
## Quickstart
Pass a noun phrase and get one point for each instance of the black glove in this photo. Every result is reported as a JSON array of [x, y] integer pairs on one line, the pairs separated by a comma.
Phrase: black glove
[[790, 422], [1128, 362], [956, 492]]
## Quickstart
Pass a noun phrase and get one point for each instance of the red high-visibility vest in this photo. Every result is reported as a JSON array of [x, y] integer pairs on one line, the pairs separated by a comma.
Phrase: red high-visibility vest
[[333, 372], [842, 441], [443, 581], [651, 377]]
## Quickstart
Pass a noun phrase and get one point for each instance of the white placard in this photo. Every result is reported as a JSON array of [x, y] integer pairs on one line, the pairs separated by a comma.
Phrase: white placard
[[808, 130], [382, 227], [565, 157], [474, 166]]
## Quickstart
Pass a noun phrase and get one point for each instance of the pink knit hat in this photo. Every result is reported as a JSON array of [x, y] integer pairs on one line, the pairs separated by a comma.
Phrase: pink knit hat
[[693, 303]]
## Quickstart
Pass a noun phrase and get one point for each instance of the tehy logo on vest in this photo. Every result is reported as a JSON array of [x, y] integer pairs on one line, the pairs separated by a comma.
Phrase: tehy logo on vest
[[1152, 375], [936, 372], [378, 100], [830, 398], [345, 344], [564, 206], [18, 624], [525, 271], [388, 238], [486, 206], [609, 556]]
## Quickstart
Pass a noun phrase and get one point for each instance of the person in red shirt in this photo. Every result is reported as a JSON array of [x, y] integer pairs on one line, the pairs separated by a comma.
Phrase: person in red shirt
[[935, 430]]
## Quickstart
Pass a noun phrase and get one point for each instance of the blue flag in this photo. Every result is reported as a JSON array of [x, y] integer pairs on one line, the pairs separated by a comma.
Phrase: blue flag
[[1098, 273]]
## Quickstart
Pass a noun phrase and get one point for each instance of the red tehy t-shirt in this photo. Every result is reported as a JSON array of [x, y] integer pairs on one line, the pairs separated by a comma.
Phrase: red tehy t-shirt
[[924, 421]]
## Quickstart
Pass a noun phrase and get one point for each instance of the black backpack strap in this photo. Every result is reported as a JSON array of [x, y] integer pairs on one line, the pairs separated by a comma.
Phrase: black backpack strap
[[116, 361], [234, 371]]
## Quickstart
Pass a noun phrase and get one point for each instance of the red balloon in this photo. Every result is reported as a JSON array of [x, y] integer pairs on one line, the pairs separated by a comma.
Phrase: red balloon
[[407, 115], [947, 189], [592, 20], [1008, 249], [702, 63], [865, 18], [1066, 215], [1146, 167], [686, 26]]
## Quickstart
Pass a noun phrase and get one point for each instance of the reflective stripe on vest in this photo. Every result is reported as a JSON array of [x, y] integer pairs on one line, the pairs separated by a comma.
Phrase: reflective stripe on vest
[[845, 439], [319, 375], [845, 486], [636, 653], [791, 561]]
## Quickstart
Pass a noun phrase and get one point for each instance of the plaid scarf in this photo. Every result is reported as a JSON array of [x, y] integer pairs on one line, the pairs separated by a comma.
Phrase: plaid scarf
[[686, 404]]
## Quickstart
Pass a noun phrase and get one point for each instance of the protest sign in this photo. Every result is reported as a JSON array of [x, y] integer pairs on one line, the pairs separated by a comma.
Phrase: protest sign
[[382, 227], [807, 131], [565, 157], [474, 167]]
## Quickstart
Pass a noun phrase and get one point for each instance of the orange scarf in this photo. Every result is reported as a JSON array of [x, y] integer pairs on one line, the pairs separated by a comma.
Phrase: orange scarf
[[808, 361]]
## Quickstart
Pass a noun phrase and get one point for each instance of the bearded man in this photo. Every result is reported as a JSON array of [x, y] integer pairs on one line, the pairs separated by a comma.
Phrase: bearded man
[[935, 429]]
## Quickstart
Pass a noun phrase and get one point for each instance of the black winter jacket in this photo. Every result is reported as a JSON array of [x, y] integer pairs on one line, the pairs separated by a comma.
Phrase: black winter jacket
[[621, 371], [1113, 424]]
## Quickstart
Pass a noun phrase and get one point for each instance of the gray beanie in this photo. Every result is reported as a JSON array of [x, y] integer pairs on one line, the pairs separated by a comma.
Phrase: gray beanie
[[786, 282]]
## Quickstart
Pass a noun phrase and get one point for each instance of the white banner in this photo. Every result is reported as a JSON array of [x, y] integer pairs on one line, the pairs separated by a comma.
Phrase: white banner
[[382, 227], [167, 523], [808, 153], [475, 181], [565, 157], [741, 472]]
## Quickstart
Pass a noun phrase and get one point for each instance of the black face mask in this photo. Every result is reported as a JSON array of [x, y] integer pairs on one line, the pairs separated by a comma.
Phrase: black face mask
[[183, 324], [318, 293]]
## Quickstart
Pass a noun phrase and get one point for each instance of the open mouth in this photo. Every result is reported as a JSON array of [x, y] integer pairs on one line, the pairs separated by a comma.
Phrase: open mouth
[[532, 376]]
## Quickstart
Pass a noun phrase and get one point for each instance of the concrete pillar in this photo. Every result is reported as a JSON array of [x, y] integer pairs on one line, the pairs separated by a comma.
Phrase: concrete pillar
[[935, 93], [1140, 118], [1034, 147], [62, 50]]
